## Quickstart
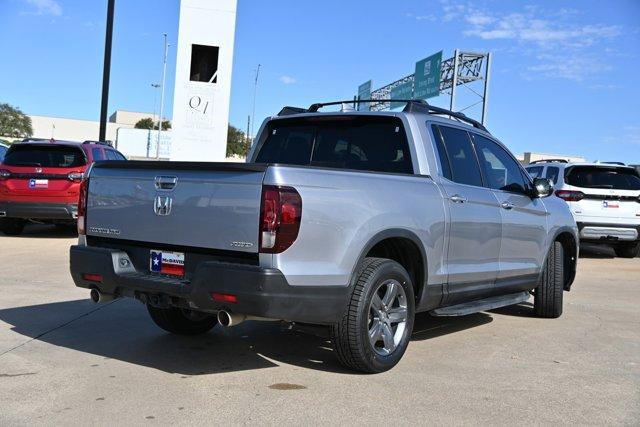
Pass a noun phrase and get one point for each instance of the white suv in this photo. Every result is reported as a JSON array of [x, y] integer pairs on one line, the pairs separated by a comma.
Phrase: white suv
[[604, 199]]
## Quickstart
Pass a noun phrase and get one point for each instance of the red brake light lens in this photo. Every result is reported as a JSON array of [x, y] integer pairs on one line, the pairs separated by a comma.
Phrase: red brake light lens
[[280, 217], [224, 297], [82, 206], [570, 196]]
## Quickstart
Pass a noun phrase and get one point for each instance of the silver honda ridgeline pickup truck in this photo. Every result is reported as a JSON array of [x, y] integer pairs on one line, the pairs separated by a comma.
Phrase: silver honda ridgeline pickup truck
[[355, 221]]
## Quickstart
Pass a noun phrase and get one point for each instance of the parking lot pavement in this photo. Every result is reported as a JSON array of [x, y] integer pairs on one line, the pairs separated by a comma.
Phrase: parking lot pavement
[[65, 360]]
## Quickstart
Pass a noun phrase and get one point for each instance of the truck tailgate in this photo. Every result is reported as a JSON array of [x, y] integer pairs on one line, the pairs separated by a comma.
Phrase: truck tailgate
[[207, 205]]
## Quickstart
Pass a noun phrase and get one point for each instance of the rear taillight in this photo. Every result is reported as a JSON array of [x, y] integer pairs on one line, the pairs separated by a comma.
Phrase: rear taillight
[[4, 174], [75, 176], [570, 196], [82, 206], [279, 218]]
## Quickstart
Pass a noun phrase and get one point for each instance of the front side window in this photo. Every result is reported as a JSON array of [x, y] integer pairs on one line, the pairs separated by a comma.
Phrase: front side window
[[462, 159], [114, 155], [501, 171], [361, 143]]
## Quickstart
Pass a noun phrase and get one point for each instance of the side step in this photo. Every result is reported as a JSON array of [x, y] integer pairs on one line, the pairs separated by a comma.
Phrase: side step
[[481, 305]]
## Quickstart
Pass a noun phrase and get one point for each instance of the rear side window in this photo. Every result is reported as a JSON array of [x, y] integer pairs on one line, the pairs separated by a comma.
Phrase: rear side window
[[114, 155], [462, 159], [603, 177], [535, 171], [552, 174], [3, 151], [97, 154], [46, 156], [373, 144]]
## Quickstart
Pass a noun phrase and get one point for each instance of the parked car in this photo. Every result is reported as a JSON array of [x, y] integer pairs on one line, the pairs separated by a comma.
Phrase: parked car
[[40, 181], [350, 220], [3, 150], [604, 199]]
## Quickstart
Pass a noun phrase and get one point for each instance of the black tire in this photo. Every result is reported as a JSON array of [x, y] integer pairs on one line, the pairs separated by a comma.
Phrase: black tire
[[12, 226], [629, 250], [350, 337], [547, 300], [181, 321]]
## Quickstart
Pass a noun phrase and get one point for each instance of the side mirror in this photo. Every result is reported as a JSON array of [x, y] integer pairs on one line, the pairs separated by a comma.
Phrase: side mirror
[[542, 187]]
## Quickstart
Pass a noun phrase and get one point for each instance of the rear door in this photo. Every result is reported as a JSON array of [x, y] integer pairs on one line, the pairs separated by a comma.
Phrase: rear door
[[524, 224], [475, 221], [611, 193], [206, 205]]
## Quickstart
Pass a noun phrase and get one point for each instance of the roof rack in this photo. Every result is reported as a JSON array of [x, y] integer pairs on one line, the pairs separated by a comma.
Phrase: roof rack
[[549, 161], [413, 105]]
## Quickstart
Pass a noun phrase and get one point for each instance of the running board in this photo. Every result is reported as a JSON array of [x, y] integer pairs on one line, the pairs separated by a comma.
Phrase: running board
[[481, 305]]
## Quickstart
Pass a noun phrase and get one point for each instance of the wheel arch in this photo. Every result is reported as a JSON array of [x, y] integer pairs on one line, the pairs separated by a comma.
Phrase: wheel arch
[[571, 246], [402, 246]]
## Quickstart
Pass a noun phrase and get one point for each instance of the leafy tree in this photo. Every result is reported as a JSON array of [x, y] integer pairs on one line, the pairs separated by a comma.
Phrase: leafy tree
[[237, 144], [148, 123], [14, 123]]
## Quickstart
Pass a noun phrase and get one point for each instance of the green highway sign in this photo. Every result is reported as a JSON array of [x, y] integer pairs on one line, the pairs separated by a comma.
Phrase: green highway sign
[[427, 77], [364, 92], [402, 91]]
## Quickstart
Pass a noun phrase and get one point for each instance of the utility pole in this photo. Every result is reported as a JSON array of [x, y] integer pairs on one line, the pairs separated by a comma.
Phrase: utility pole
[[106, 71], [255, 89], [164, 72], [248, 140]]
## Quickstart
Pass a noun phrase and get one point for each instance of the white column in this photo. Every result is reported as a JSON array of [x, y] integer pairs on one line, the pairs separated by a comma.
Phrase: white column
[[201, 108]]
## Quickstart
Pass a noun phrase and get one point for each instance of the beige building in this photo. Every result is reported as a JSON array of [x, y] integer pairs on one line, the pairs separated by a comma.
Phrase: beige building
[[83, 130], [529, 157]]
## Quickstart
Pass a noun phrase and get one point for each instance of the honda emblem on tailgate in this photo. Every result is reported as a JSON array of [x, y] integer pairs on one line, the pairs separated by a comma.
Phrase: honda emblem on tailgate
[[162, 205]]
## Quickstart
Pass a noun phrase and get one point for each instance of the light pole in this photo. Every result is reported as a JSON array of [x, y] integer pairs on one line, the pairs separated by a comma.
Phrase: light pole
[[155, 98], [255, 89], [106, 71], [164, 72]]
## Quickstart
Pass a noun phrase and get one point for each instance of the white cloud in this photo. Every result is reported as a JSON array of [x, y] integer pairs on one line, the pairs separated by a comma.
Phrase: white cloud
[[288, 80], [46, 7]]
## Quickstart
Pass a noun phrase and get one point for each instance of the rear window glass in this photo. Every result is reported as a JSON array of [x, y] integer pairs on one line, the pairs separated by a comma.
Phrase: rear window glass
[[552, 174], [53, 156], [603, 177], [363, 143]]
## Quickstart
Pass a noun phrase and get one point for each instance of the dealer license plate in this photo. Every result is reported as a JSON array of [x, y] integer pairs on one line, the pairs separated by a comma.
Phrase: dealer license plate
[[164, 262]]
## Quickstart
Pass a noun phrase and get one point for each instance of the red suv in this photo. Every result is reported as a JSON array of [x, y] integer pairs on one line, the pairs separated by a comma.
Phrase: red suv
[[40, 181]]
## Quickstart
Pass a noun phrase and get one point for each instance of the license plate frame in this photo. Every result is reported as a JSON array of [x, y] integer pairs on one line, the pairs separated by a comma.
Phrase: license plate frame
[[169, 263]]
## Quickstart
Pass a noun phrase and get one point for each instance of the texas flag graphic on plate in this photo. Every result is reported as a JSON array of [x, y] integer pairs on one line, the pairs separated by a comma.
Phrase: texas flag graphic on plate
[[167, 263]]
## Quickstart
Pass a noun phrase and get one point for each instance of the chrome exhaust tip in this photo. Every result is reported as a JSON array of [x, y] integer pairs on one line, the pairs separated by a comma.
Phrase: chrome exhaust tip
[[228, 319], [98, 297]]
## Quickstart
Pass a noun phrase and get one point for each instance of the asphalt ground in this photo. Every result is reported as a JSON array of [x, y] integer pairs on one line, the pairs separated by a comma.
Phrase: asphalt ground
[[65, 360]]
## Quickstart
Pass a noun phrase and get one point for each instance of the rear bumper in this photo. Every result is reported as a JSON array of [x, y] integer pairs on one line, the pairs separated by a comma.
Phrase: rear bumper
[[611, 233], [39, 210], [262, 292]]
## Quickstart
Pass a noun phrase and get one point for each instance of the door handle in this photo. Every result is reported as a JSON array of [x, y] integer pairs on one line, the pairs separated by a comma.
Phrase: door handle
[[506, 205], [456, 198]]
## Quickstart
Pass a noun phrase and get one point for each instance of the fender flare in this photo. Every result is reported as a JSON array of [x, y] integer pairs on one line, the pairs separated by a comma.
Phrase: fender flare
[[387, 234], [572, 274]]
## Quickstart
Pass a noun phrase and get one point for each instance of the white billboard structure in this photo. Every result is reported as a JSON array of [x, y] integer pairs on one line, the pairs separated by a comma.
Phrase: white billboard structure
[[203, 80], [142, 144]]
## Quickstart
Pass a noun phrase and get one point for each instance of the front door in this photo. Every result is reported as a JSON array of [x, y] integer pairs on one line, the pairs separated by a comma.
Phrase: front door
[[524, 228]]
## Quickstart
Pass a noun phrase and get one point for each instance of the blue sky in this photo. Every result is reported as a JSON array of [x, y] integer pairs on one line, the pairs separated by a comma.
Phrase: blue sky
[[564, 72]]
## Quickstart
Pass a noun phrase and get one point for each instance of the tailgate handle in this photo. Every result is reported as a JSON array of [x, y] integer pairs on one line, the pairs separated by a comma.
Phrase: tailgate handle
[[166, 182]]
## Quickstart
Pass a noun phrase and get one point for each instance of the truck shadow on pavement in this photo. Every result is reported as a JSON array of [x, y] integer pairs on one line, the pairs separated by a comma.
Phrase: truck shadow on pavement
[[123, 331], [40, 231]]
